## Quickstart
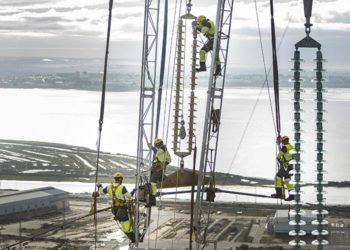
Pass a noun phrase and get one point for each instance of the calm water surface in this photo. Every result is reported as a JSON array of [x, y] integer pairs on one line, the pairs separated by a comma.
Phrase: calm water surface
[[247, 138]]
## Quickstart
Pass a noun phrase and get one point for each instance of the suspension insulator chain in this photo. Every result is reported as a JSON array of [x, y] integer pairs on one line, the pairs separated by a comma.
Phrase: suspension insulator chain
[[178, 81], [298, 212], [320, 212], [179, 124]]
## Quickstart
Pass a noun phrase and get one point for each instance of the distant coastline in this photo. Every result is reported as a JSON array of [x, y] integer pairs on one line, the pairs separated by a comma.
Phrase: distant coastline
[[82, 74], [43, 161], [131, 81]]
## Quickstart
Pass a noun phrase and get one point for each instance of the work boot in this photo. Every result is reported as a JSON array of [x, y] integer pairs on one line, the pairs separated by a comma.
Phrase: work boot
[[218, 70], [151, 201], [290, 197], [278, 194], [202, 67]]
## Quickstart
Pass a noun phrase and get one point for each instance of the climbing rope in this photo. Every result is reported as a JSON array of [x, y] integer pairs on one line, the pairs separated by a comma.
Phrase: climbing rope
[[181, 83], [168, 111], [100, 122], [275, 70], [264, 63], [162, 65], [275, 86], [265, 83], [165, 128]]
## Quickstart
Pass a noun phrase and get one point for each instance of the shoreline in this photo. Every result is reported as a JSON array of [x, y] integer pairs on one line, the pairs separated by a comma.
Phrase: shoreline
[[78, 165]]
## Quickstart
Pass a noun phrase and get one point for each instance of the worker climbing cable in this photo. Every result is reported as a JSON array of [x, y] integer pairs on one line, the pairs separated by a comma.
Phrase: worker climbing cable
[[282, 177], [208, 29], [121, 203], [161, 160]]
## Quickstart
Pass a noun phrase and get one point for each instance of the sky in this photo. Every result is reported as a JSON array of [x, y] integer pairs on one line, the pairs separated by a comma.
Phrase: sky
[[77, 29]]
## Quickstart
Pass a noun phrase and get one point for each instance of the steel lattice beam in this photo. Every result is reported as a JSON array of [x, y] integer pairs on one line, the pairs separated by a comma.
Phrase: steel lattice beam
[[146, 107], [214, 107]]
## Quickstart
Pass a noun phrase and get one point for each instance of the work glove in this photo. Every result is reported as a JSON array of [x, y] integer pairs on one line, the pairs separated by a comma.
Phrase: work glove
[[98, 185], [95, 194]]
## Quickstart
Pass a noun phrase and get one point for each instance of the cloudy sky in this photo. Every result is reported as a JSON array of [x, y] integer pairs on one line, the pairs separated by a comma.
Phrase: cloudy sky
[[77, 28]]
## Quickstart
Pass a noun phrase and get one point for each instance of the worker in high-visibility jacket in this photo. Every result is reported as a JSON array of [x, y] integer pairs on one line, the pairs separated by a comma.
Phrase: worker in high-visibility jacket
[[161, 160], [284, 157], [208, 29], [121, 202]]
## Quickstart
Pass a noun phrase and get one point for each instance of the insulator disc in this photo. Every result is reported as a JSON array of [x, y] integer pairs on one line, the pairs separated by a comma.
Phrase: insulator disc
[[296, 80], [321, 151], [320, 110], [319, 60], [299, 70], [316, 232], [293, 212], [295, 192], [294, 161], [317, 190], [295, 233], [299, 182], [323, 203], [320, 192], [293, 223], [297, 243], [294, 202], [321, 172], [319, 242], [322, 222], [323, 212]]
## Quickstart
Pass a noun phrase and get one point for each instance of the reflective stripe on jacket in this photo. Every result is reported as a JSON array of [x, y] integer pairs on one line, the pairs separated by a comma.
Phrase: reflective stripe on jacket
[[119, 194]]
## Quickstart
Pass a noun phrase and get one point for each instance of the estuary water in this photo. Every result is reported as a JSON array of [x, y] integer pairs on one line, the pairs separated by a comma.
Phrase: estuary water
[[247, 135]]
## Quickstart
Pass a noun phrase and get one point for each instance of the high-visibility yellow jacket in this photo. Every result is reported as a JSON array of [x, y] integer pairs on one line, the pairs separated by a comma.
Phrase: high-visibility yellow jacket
[[284, 155], [162, 156], [207, 28], [118, 192]]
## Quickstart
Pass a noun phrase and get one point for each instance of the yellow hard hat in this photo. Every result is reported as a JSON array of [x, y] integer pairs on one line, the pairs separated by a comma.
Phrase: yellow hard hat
[[284, 138], [158, 141], [118, 175], [201, 19]]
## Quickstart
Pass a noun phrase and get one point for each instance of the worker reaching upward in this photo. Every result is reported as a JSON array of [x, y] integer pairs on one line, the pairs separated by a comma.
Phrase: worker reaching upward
[[284, 157], [208, 29], [161, 160], [121, 206]]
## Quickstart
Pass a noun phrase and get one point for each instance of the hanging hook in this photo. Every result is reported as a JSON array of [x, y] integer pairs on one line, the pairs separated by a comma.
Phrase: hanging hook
[[182, 163], [189, 5], [188, 15], [307, 13]]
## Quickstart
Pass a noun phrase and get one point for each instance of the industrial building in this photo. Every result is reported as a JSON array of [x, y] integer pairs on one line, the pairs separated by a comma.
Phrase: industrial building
[[279, 224], [26, 204]]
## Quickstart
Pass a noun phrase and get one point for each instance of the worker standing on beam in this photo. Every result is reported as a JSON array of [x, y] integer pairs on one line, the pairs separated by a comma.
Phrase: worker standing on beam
[[284, 157], [208, 29], [121, 203], [161, 160]]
